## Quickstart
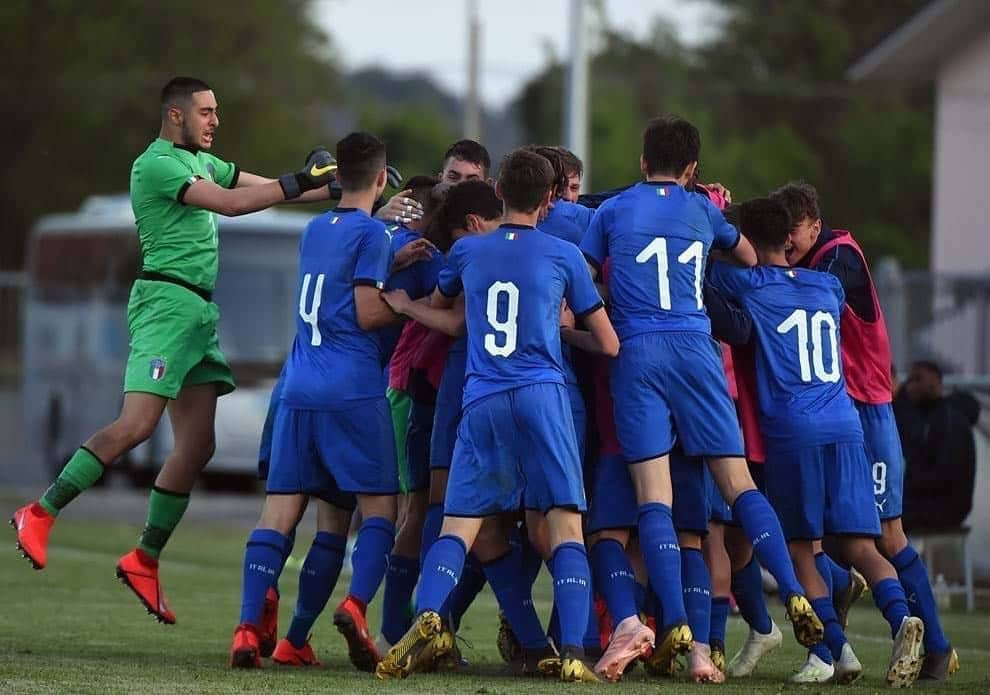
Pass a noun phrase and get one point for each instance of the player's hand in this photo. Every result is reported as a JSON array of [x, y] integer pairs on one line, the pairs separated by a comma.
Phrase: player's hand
[[397, 300], [722, 191], [318, 171], [413, 252], [400, 209]]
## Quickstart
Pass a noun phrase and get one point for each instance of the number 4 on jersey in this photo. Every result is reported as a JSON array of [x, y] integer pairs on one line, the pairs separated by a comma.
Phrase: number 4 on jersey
[[312, 316]]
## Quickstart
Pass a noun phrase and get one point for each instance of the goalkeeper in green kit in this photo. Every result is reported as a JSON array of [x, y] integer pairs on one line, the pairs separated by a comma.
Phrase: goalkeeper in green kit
[[175, 363]]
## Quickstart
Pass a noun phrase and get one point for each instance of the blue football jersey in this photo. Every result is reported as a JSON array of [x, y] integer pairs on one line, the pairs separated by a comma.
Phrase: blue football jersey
[[799, 381], [514, 280], [332, 360], [568, 221], [657, 236], [418, 280]]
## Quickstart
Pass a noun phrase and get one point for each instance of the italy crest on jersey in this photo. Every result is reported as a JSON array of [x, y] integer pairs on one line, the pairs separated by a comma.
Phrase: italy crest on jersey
[[157, 370]]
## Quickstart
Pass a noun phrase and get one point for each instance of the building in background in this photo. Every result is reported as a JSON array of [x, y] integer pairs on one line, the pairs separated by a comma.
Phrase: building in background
[[948, 42], [945, 313]]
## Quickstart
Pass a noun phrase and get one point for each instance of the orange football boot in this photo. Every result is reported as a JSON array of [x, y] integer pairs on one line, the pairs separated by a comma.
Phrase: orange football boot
[[288, 655], [352, 624], [139, 572], [244, 650], [33, 525], [269, 623]]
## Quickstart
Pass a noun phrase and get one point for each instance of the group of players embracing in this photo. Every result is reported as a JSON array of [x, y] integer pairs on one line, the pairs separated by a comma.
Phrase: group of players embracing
[[442, 375], [720, 401]]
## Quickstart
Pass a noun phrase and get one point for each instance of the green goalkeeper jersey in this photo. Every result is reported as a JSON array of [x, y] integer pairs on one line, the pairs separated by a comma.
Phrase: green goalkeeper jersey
[[177, 239]]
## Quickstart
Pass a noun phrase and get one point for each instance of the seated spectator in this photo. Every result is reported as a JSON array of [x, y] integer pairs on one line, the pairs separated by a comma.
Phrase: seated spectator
[[940, 452]]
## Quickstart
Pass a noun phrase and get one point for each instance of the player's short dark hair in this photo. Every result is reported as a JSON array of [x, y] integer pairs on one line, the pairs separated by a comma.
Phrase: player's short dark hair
[[471, 197], [420, 188], [765, 223], [800, 199], [179, 90], [470, 151], [670, 144], [524, 180], [928, 366], [731, 214], [360, 157], [572, 163], [553, 156]]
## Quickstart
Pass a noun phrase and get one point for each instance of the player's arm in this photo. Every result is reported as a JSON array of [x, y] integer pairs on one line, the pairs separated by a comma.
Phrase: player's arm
[[246, 179], [599, 338], [372, 311], [594, 245], [730, 322], [847, 266], [415, 251], [371, 263], [241, 200], [439, 312], [734, 246], [583, 298]]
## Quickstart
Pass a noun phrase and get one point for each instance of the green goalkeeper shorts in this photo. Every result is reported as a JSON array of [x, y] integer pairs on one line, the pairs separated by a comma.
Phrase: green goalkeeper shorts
[[174, 341]]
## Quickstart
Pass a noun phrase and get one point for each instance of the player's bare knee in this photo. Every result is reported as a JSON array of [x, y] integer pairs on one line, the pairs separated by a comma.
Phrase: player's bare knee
[[564, 526], [332, 519], [384, 506], [732, 477], [893, 540], [491, 543], [689, 540], [282, 512]]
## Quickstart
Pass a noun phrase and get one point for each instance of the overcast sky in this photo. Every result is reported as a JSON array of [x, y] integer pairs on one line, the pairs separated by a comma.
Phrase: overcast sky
[[516, 35]]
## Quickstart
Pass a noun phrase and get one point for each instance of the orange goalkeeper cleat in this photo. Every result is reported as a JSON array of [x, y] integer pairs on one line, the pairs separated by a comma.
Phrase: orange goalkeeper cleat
[[244, 651], [33, 525], [269, 623], [352, 624], [139, 572], [288, 655]]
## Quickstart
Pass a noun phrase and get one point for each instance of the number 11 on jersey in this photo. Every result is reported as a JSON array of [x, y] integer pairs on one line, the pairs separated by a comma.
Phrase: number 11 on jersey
[[658, 248]]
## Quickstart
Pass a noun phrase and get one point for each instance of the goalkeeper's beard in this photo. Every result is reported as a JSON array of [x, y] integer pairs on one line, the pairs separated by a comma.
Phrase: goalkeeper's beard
[[192, 139]]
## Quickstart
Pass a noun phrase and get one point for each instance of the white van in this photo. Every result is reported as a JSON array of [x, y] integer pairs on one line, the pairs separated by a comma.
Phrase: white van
[[80, 267]]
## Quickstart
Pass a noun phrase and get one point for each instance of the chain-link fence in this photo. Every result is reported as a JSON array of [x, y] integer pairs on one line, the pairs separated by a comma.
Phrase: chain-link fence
[[943, 318]]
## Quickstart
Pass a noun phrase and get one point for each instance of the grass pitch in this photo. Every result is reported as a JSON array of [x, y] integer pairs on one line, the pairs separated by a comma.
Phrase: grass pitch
[[73, 628]]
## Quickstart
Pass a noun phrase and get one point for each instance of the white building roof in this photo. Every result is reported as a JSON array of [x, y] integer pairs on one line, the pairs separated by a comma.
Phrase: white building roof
[[913, 52]]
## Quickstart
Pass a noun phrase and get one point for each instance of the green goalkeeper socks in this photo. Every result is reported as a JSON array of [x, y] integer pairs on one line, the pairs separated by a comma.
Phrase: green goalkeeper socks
[[80, 473], [165, 509]]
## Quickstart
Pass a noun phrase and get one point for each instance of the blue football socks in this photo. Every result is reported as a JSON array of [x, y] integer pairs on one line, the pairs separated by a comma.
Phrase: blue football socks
[[572, 593], [263, 559], [762, 527], [913, 574], [370, 557], [697, 587], [661, 553], [400, 583], [316, 582], [440, 574]]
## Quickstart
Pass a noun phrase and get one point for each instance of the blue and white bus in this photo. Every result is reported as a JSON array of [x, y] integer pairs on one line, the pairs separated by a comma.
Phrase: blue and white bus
[[80, 267]]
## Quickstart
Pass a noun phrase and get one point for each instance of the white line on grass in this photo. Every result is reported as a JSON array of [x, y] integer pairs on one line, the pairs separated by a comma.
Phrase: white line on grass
[[858, 637]]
